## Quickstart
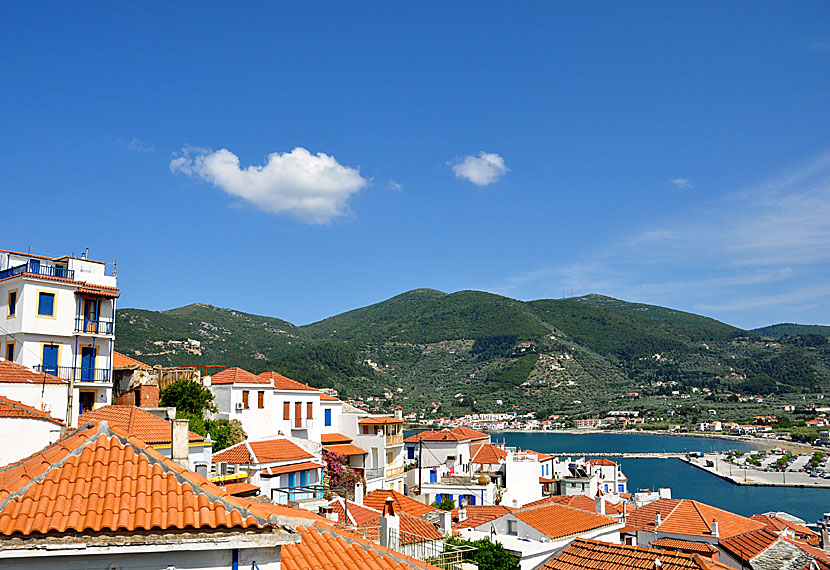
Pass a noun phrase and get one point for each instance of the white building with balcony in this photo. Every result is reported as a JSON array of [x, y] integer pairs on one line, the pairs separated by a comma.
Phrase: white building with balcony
[[60, 319]]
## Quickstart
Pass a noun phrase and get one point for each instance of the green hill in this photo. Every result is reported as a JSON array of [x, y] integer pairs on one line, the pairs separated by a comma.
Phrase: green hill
[[790, 329], [474, 351]]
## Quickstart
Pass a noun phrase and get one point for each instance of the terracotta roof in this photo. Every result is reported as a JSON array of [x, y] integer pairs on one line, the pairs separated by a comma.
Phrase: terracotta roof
[[778, 524], [326, 398], [748, 546], [239, 488], [379, 420], [294, 467], [478, 515], [14, 409], [334, 438], [123, 361], [103, 291], [454, 434], [136, 422], [583, 554], [558, 521], [684, 516], [101, 479], [359, 515], [602, 461], [266, 451], [13, 373], [581, 502], [346, 449], [326, 548], [817, 553], [684, 546], [402, 503], [237, 376], [281, 382], [540, 456], [486, 454], [470, 433]]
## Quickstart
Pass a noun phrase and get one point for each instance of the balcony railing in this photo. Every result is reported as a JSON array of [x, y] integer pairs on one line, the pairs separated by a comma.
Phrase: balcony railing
[[84, 325], [392, 472], [79, 373], [37, 268], [395, 439], [371, 474]]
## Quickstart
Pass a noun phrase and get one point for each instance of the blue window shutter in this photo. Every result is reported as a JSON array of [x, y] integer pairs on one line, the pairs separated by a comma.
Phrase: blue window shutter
[[328, 417]]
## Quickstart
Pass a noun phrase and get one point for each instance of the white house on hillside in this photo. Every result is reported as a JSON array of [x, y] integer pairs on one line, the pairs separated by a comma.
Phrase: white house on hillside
[[60, 319]]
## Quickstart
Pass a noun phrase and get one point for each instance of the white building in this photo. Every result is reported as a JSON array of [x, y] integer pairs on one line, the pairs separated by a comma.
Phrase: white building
[[40, 428], [240, 395], [60, 318], [611, 478]]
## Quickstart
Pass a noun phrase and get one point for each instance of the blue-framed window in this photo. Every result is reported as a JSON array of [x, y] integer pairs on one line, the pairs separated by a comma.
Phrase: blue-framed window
[[327, 417], [46, 304]]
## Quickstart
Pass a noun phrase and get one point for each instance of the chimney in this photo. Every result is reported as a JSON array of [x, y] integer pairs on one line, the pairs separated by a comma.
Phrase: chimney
[[358, 493], [398, 413], [180, 443], [657, 520], [825, 540], [715, 530], [445, 523], [462, 513], [657, 564], [328, 512], [390, 525], [599, 505]]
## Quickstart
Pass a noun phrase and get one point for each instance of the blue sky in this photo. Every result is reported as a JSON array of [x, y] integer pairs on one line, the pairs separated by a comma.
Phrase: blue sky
[[303, 159]]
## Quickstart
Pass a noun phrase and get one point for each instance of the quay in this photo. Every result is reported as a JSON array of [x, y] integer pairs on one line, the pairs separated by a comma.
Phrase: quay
[[626, 455], [747, 475]]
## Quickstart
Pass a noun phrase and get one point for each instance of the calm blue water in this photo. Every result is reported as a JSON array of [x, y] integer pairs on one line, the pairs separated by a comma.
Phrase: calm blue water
[[686, 482]]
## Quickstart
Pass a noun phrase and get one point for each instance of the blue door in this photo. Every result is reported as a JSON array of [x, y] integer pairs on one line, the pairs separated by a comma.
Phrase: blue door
[[34, 266], [291, 480], [303, 478], [88, 364], [50, 358], [433, 476], [328, 417]]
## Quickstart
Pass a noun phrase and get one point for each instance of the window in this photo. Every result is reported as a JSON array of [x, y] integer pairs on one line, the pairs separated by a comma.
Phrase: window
[[512, 528], [10, 351], [286, 410], [260, 399], [308, 407], [11, 307], [46, 304], [327, 416], [245, 399], [87, 401], [390, 457], [298, 414], [365, 430]]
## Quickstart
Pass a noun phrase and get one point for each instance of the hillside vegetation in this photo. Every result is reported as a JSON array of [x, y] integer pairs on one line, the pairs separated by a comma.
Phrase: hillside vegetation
[[474, 351]]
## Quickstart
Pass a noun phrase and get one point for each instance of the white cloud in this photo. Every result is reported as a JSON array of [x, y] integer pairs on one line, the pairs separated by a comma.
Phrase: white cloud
[[312, 188], [395, 185], [682, 183], [481, 170], [135, 145]]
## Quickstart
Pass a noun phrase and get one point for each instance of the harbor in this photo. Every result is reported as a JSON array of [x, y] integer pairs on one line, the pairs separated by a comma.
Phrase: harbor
[[743, 474]]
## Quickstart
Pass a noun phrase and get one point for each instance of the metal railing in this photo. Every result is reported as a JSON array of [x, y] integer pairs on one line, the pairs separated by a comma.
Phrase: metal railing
[[80, 374], [375, 473], [436, 552], [38, 269], [90, 326]]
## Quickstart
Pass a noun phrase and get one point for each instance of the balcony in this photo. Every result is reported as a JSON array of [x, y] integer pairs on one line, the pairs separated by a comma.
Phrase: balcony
[[79, 374], [89, 326], [375, 473], [36, 268], [392, 472], [394, 439]]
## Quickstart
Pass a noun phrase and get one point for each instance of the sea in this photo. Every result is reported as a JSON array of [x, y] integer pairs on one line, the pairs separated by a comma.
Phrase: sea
[[685, 481]]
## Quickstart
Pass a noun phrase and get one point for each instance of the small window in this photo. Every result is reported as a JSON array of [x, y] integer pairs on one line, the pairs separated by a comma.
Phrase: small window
[[11, 308], [245, 399], [327, 415], [46, 304], [286, 410], [365, 430], [390, 457], [260, 400], [512, 528], [10, 351], [308, 407]]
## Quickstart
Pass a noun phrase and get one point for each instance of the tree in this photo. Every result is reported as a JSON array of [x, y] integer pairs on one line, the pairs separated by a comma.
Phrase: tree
[[339, 473], [446, 504], [488, 555], [190, 398]]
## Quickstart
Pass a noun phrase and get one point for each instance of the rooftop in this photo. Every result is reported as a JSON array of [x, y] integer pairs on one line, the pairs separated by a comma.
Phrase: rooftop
[[558, 521], [684, 516], [14, 409], [585, 554], [379, 420], [281, 382], [123, 361], [136, 422], [402, 503], [264, 451], [13, 373], [237, 376]]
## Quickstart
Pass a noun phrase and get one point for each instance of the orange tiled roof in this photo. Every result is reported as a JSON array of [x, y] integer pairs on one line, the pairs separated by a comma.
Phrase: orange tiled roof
[[327, 548], [281, 382], [478, 515], [294, 467], [821, 556], [334, 438], [455, 434], [684, 516], [123, 361], [602, 461], [583, 554], [239, 488], [359, 515], [539, 456], [486, 454], [326, 398], [748, 546], [778, 525], [14, 409], [12, 373], [346, 449], [98, 290], [558, 521], [581, 502], [237, 376], [267, 451], [136, 422], [402, 503], [684, 545], [101, 479], [379, 420]]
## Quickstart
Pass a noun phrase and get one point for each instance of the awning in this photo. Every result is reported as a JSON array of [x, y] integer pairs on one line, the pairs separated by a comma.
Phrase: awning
[[112, 293], [346, 449], [292, 468]]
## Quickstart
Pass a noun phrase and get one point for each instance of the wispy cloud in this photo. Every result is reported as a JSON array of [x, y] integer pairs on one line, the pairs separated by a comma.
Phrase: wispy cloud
[[394, 185], [135, 144], [682, 183], [751, 251], [312, 188], [481, 170]]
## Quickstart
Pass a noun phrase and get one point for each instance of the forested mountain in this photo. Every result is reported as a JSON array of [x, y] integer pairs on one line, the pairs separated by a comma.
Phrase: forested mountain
[[476, 351]]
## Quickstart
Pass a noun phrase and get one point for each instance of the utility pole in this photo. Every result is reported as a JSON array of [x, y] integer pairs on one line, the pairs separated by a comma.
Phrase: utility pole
[[420, 472]]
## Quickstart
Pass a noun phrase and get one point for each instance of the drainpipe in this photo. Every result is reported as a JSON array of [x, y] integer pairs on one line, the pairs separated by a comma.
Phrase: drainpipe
[[235, 559]]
